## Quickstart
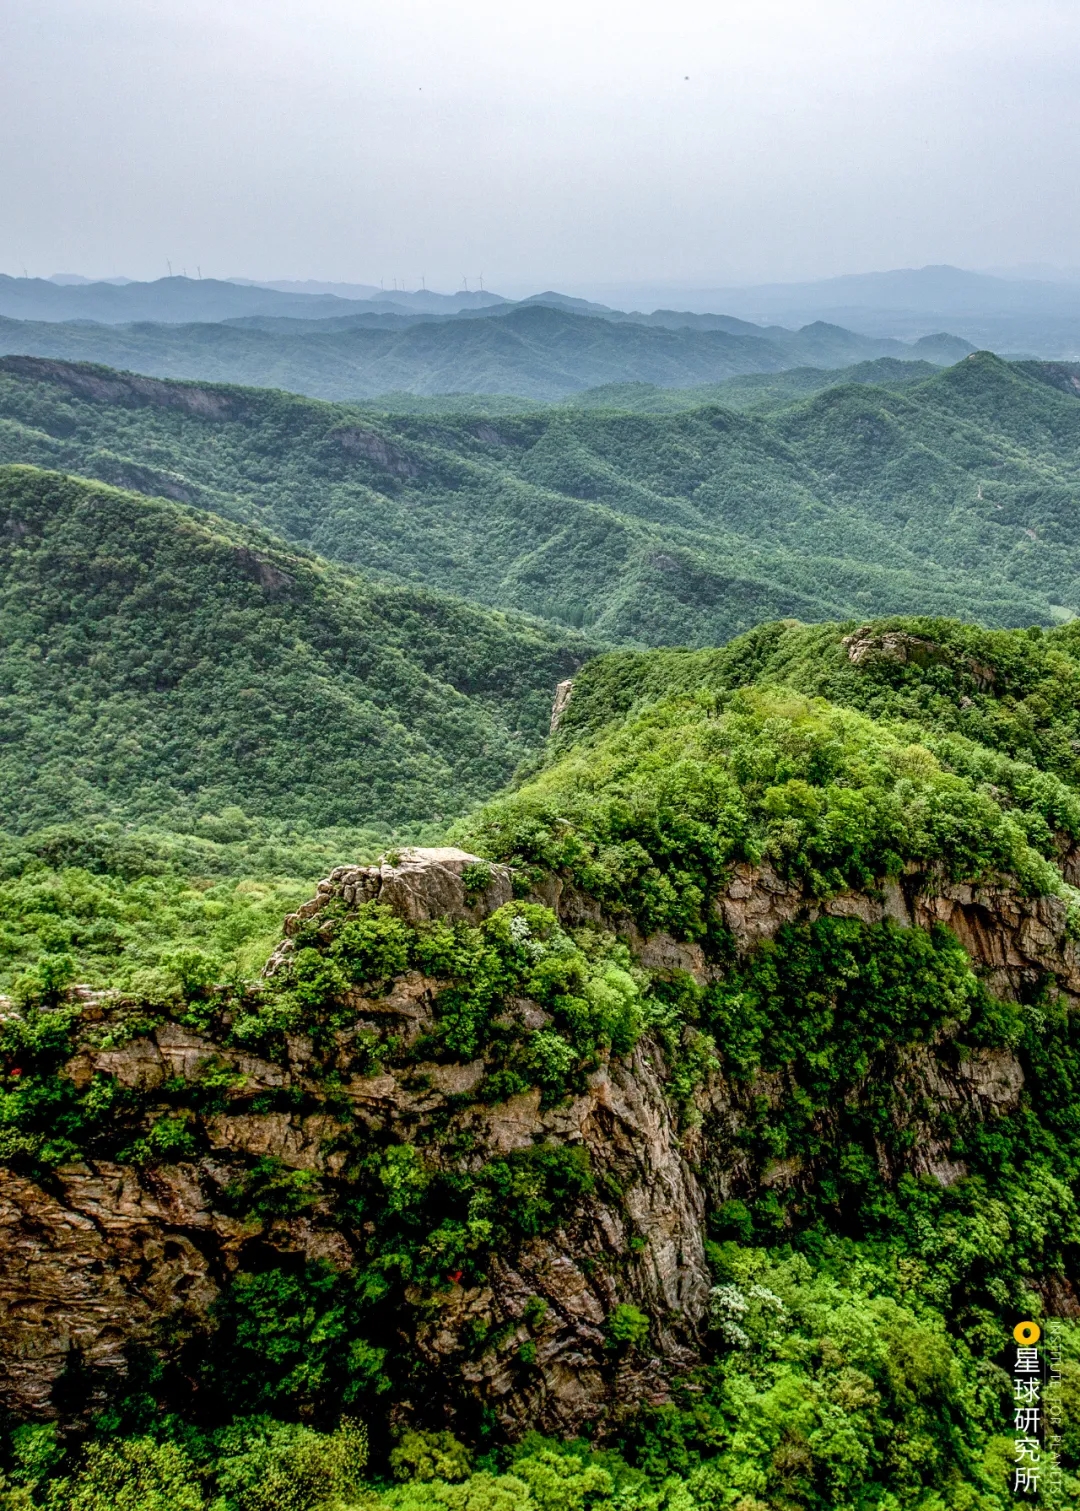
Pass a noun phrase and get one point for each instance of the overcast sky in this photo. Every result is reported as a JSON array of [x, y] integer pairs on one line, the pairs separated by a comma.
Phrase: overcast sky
[[554, 144]]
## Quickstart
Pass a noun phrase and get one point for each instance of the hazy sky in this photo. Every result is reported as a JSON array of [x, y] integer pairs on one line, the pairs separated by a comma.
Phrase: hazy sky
[[542, 144]]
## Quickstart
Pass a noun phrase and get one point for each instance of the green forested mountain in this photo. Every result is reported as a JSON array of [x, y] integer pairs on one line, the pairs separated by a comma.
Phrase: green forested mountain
[[727, 1141], [158, 664], [716, 1114], [535, 350], [951, 495], [764, 391], [1017, 693]]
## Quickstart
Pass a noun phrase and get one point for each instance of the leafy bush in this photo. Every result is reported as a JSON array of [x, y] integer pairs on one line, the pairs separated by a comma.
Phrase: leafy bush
[[137, 1474], [627, 1327], [427, 1456], [292, 1338], [266, 1465]]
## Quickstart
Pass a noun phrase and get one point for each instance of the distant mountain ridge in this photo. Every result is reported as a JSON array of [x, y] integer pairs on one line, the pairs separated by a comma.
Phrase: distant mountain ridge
[[1026, 315], [175, 299], [1040, 317], [422, 299], [536, 350]]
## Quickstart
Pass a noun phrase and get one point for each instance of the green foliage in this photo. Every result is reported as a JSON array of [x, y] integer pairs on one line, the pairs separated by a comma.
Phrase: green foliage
[[164, 665], [427, 1456], [136, 1474], [955, 495], [160, 936], [649, 816], [834, 994], [168, 1140], [1002, 705], [270, 1189], [374, 945], [627, 1327], [586, 988], [529, 1189], [830, 1393], [45, 982], [838, 1389], [35, 1452], [476, 878], [266, 1465], [289, 1339]]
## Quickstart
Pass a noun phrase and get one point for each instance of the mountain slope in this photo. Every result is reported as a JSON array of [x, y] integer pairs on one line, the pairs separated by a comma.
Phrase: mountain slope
[[951, 495], [1014, 693], [717, 1111], [157, 663]]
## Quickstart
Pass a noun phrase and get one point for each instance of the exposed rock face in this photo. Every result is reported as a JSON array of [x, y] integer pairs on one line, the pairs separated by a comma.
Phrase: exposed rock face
[[1015, 941], [418, 884], [91, 1266], [584, 1271], [131, 389], [869, 644], [110, 1253], [98, 1262], [562, 702], [356, 441]]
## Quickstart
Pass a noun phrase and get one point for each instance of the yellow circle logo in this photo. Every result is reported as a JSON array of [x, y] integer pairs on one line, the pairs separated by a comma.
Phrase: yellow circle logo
[[1027, 1332]]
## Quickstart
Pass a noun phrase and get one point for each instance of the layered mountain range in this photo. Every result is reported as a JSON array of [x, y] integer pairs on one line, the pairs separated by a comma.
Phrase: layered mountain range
[[333, 348], [668, 1098], [952, 494]]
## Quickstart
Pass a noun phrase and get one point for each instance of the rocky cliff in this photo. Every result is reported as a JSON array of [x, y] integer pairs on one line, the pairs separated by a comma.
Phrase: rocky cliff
[[134, 1240]]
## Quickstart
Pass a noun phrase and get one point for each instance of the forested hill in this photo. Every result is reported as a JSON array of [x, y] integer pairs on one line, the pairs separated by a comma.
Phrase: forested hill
[[535, 350], [714, 1113], [158, 664], [1017, 693], [955, 495]]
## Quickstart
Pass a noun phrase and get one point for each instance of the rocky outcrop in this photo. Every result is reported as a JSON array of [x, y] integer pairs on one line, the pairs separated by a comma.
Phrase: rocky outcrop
[[111, 1255], [868, 644], [131, 389], [583, 1272], [419, 884], [562, 702], [355, 440], [1016, 942]]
